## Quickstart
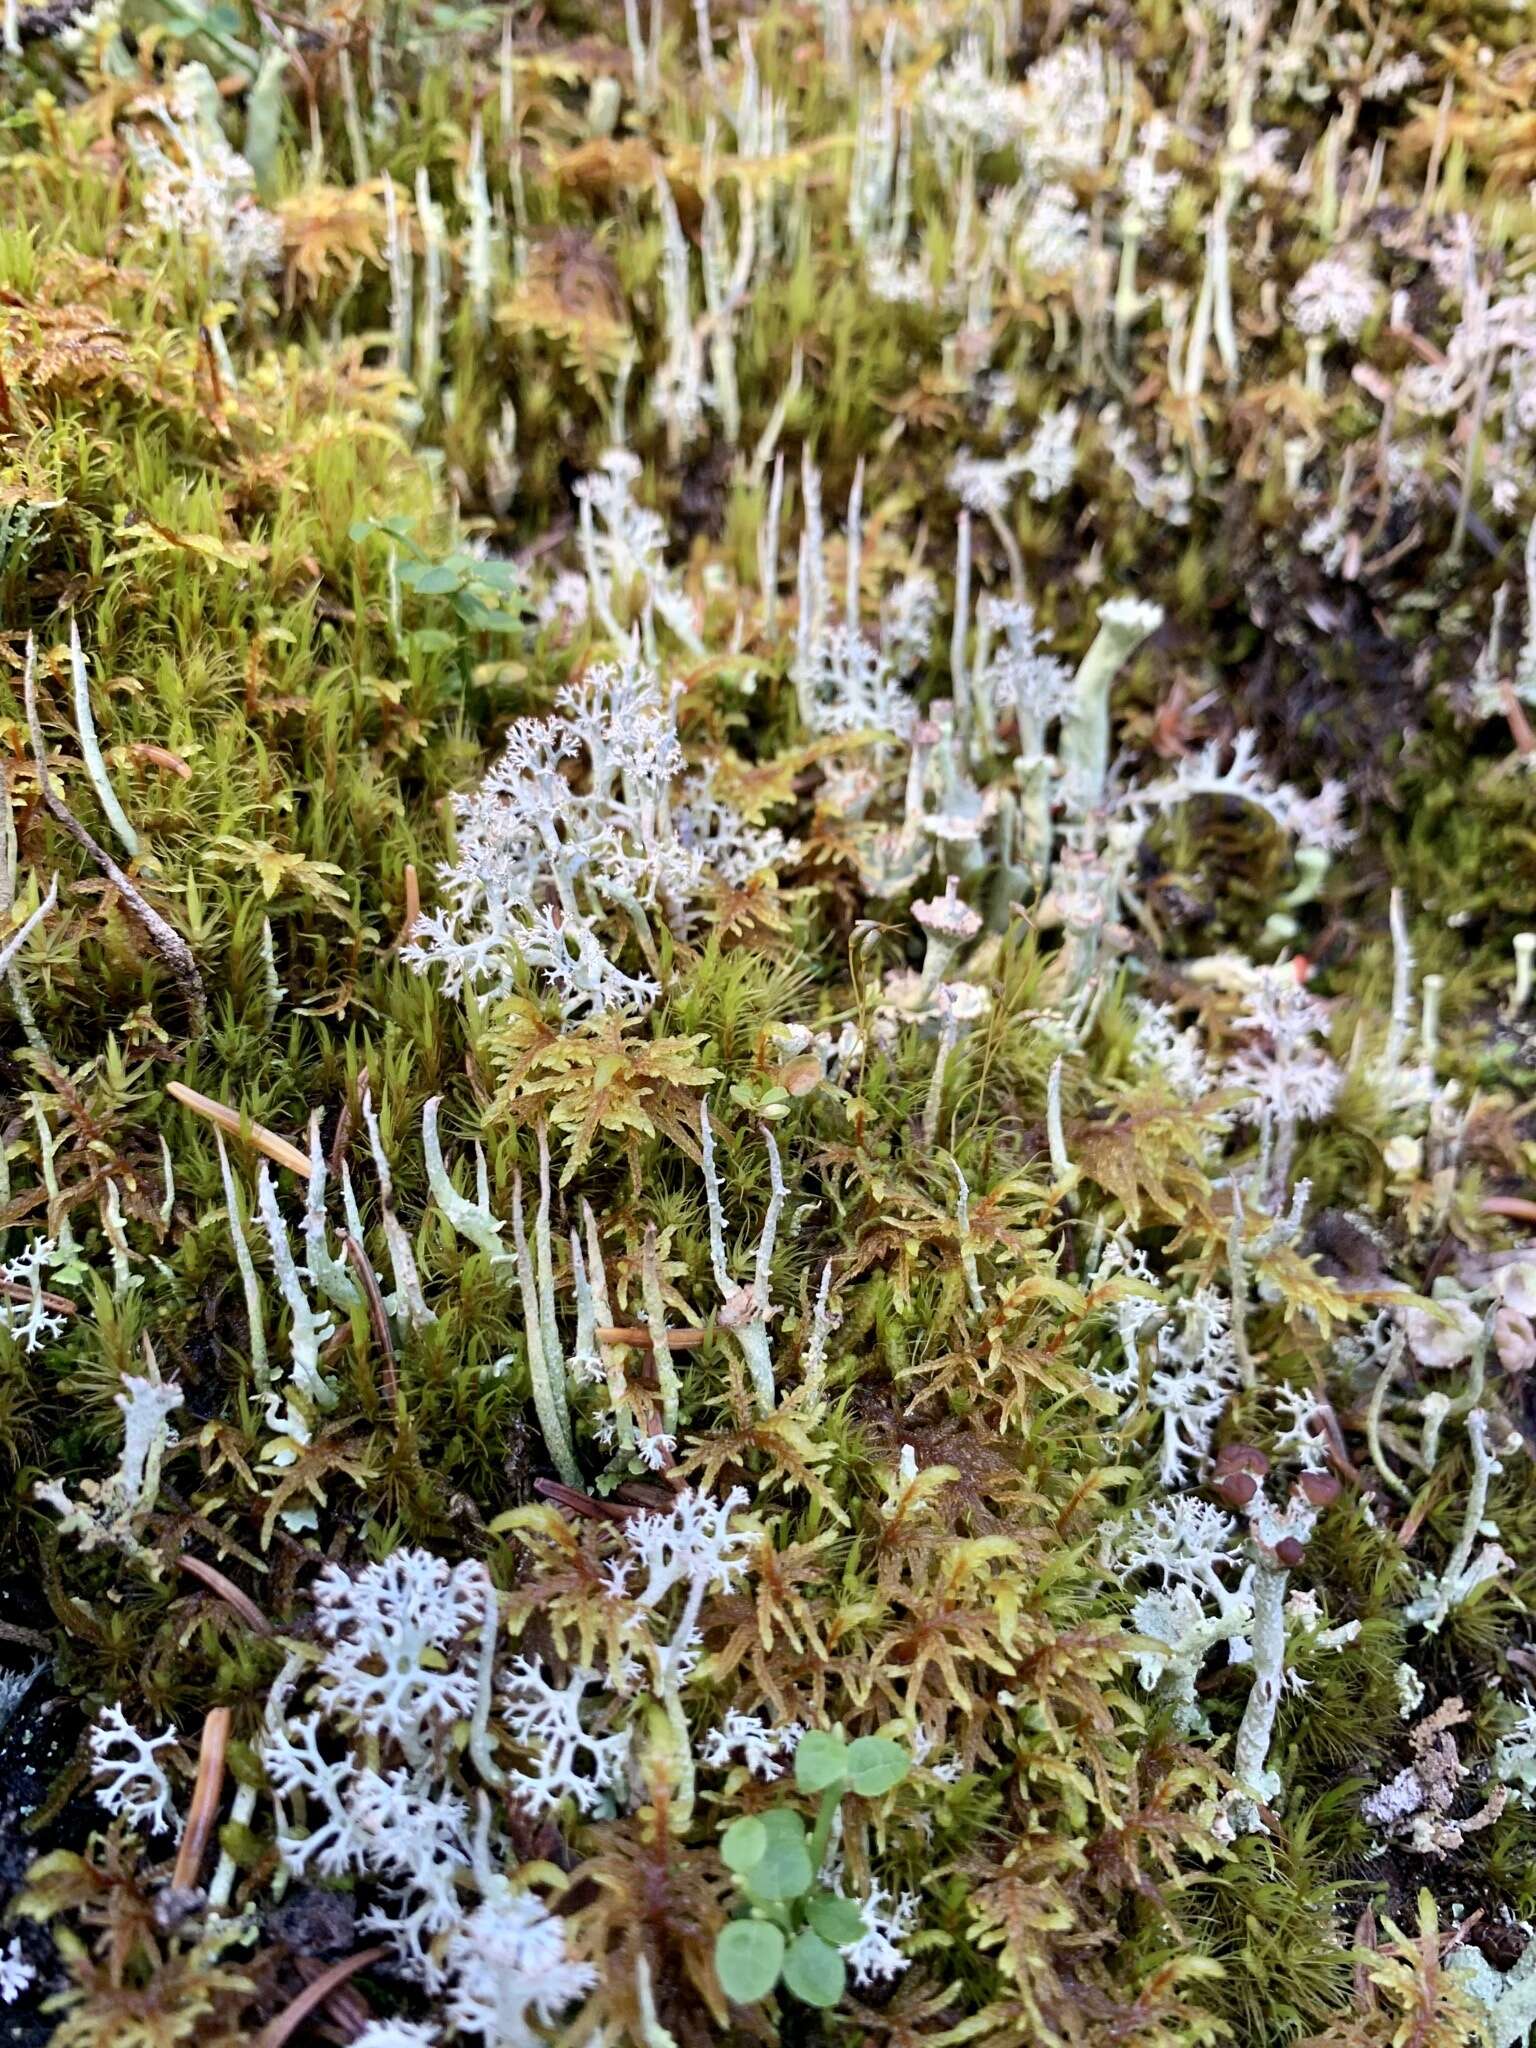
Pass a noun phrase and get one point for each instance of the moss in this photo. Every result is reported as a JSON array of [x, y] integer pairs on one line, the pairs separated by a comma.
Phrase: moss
[[315, 596]]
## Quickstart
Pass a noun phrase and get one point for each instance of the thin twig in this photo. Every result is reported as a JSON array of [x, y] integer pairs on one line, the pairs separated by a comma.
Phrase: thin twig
[[277, 1149], [14, 942], [377, 1317], [287, 2023], [28, 1638], [412, 907], [577, 1503], [164, 937], [346, 2005], [636, 1333], [59, 1304], [343, 1137], [650, 1500], [206, 1794], [228, 1592]]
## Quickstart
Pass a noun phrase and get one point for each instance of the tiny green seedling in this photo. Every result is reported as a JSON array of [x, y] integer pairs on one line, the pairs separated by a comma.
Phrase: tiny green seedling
[[795, 1929], [483, 592]]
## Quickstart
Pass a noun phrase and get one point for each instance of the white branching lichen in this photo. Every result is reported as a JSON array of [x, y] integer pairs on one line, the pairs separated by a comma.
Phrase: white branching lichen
[[691, 1547], [26, 1315], [582, 837], [198, 189], [127, 1775], [748, 1739], [17, 1975], [510, 1970], [566, 1760]]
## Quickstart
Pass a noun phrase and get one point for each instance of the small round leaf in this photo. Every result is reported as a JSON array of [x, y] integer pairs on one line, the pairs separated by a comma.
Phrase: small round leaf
[[743, 1843], [814, 1970], [836, 1920], [875, 1765], [784, 1873], [748, 1956], [821, 1760], [783, 1825]]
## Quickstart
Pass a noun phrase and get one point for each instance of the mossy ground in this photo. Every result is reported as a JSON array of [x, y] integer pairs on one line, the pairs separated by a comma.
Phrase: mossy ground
[[200, 477]]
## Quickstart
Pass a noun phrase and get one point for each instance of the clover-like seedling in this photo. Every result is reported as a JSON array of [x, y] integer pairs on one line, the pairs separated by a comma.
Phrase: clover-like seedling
[[795, 1929]]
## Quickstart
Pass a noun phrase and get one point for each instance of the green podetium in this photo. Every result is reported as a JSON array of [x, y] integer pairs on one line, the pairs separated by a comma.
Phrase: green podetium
[[1124, 623], [794, 1929]]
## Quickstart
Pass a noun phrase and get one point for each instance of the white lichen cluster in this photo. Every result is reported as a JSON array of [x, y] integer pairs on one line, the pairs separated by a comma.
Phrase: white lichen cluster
[[25, 1315], [383, 1746], [382, 1749], [748, 1739], [17, 1975], [584, 838], [197, 188], [127, 1775], [358, 1754]]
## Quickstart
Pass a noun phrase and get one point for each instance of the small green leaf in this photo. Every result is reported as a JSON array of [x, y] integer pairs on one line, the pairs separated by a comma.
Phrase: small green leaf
[[498, 575], [784, 1869], [743, 1843], [782, 1874], [242, 1845], [814, 1970], [783, 1825], [433, 580], [836, 1920], [481, 618], [748, 1956], [875, 1765], [821, 1760]]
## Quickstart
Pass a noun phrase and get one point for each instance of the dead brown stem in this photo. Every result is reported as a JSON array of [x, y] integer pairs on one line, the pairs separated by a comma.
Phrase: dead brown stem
[[582, 1504], [636, 1333], [377, 1318], [346, 2005], [229, 1593], [412, 908], [277, 1149], [206, 1794], [16, 1290], [285, 2024], [163, 936]]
